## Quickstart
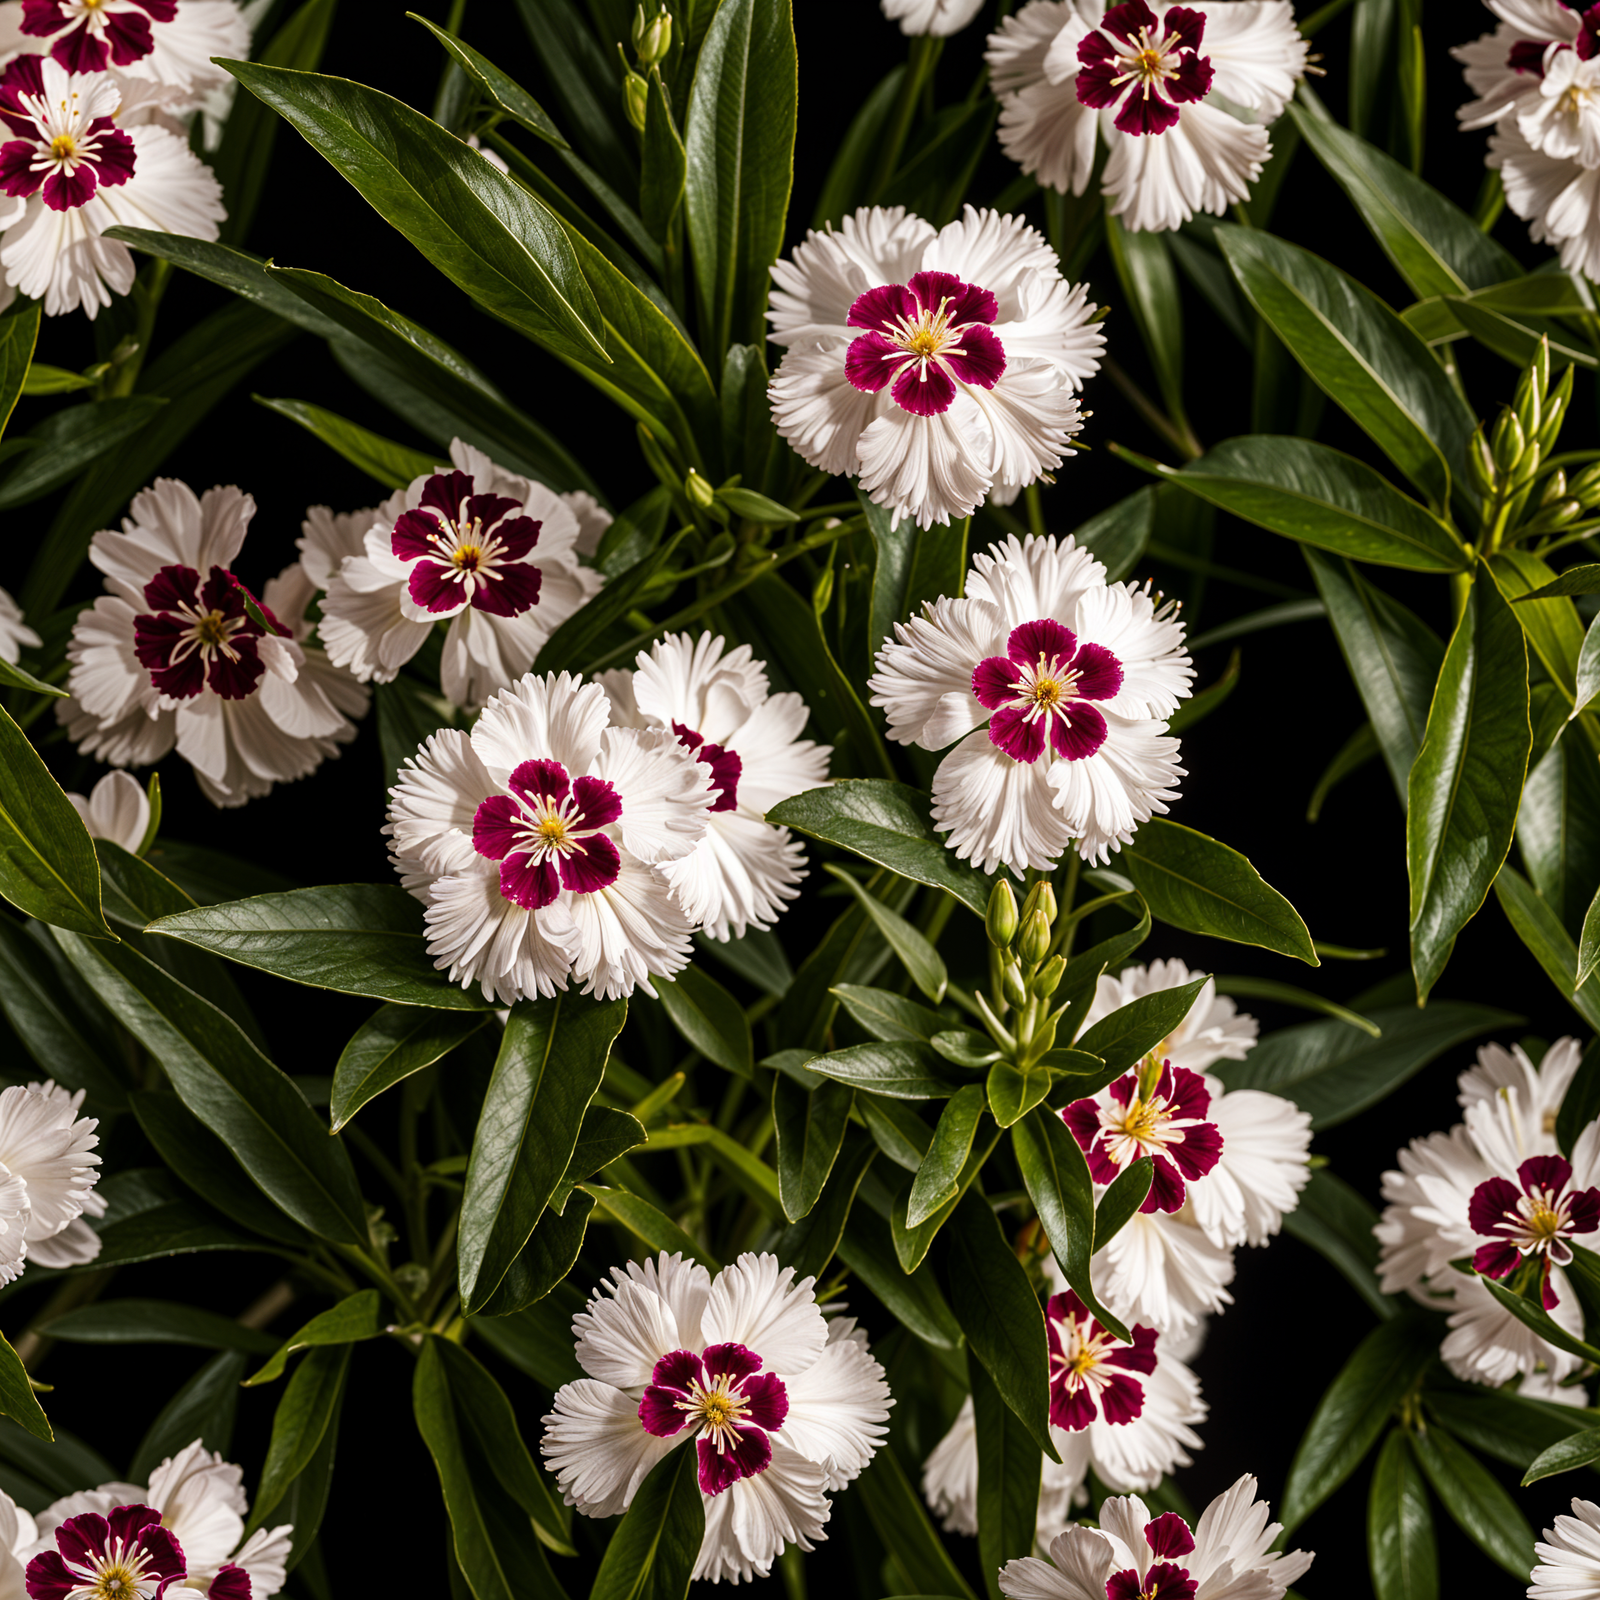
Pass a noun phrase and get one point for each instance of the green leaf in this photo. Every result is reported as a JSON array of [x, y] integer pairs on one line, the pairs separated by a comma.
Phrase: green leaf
[[899, 1519], [232, 1088], [1467, 778], [1337, 1223], [1481, 1508], [1118, 536], [739, 141], [394, 1042], [1204, 701], [354, 1318], [1351, 1415], [887, 823], [896, 1129], [664, 164], [1550, 944], [48, 867], [551, 1060], [538, 1339], [1122, 1199], [202, 1409], [1566, 1455], [1009, 1470], [1318, 496], [177, 1228], [1393, 656], [938, 1177], [644, 1221], [1198, 884], [482, 229], [1400, 1543], [1558, 833], [310, 1404], [19, 332], [653, 1551], [912, 1241], [1057, 1180], [999, 1313], [1586, 679], [809, 1245], [1554, 629], [391, 464], [912, 1299], [709, 1018], [1359, 353], [914, 565], [756, 955], [919, 958], [1580, 1105], [546, 1259], [1509, 1427], [155, 1322], [1436, 247], [16, 678], [809, 1127], [576, 639], [1150, 285], [353, 938], [67, 441], [16, 1394], [899, 1068], [1583, 579], [1540, 1320], [1014, 1092], [1135, 1030]]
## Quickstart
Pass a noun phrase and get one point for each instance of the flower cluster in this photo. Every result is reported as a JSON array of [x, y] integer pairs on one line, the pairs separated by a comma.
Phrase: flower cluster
[[1537, 82], [1231, 1164], [48, 1171], [95, 101], [783, 1405], [589, 829], [939, 365], [1496, 1189], [1180, 94], [178, 654], [1057, 686]]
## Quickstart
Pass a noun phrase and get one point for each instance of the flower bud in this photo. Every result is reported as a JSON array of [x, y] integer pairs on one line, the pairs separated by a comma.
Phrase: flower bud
[[1480, 463], [1049, 977], [635, 98], [1012, 986], [1586, 486], [1035, 942], [1510, 441], [1555, 488], [1000, 920], [1041, 897], [652, 36], [699, 491]]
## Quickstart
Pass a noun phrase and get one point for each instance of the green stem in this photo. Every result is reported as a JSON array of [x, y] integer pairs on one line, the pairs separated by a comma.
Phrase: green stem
[[147, 297], [376, 1272], [1181, 439], [413, 1095], [1035, 510], [924, 53], [1069, 931]]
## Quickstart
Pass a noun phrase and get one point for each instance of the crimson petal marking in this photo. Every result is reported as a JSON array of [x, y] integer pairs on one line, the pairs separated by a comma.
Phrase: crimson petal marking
[[1072, 1409], [1099, 672], [1121, 1399], [750, 1453], [413, 535], [126, 1522], [1527, 55], [767, 1401], [488, 509], [994, 682], [1076, 736], [598, 803], [498, 824], [131, 38], [17, 177], [1027, 642], [882, 307], [677, 1369], [727, 767], [1184, 1091], [1017, 735], [1167, 1188], [1497, 1260], [510, 591], [528, 883], [981, 360], [1096, 81], [964, 302], [660, 1412], [592, 866], [1140, 1356], [870, 361], [1583, 1211], [1547, 1292], [49, 1578], [1545, 1172], [1197, 1151], [172, 587], [236, 679], [1164, 1581], [231, 1583], [540, 780], [1192, 81], [1188, 26], [1145, 113], [155, 639], [1168, 1535], [81, 51], [923, 388], [436, 587], [517, 535], [445, 491], [1127, 19]]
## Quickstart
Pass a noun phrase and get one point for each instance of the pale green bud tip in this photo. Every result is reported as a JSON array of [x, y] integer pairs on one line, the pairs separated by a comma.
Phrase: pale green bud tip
[[1510, 442], [1035, 943], [1049, 978], [699, 491], [1000, 920], [1014, 988], [652, 36], [635, 98]]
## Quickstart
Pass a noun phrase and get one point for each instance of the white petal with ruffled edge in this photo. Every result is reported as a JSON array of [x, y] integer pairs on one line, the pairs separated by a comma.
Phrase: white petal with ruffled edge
[[1206, 162], [117, 808], [839, 1406], [995, 811], [593, 1442]]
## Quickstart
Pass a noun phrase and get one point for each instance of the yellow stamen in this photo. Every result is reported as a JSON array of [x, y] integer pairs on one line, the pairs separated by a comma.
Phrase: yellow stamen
[[212, 630]]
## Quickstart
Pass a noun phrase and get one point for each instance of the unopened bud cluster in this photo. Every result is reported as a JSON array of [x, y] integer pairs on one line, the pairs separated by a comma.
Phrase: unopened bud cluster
[[1027, 973], [652, 40]]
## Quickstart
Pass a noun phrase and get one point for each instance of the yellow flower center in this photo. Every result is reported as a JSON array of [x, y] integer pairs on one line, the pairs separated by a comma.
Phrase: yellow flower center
[[211, 631], [1543, 1223], [116, 1583], [1140, 1120], [1048, 693], [64, 147], [467, 557], [717, 1409], [553, 830]]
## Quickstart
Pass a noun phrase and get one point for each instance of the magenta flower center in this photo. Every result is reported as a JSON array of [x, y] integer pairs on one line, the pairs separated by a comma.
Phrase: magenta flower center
[[1531, 1220], [468, 549], [547, 833], [1144, 65], [1093, 1374], [1040, 690], [126, 1556], [96, 29], [198, 635], [923, 339], [727, 1404], [63, 150], [1529, 55], [726, 767], [1167, 1536]]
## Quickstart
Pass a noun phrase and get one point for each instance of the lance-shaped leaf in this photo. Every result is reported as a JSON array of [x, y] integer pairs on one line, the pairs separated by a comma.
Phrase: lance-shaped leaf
[[938, 1178], [310, 1405], [354, 938], [912, 1241], [550, 1064], [1400, 1544], [912, 1299], [1558, 831], [1467, 779], [1014, 1092], [919, 958], [901, 1522], [1197, 883], [901, 1069], [1549, 943], [809, 1245], [653, 1551], [1009, 1470], [19, 332], [17, 1399], [231, 1087], [1565, 1455], [606, 1133], [545, 1260], [1120, 1203], [887, 1015], [1580, 1105], [647, 1223], [478, 226], [354, 1319], [913, 565], [809, 1126], [1001, 1317], [155, 1322], [388, 462], [1136, 1030], [1480, 1507], [709, 1018], [48, 867], [203, 1409], [393, 1043], [1536, 1317], [67, 441]]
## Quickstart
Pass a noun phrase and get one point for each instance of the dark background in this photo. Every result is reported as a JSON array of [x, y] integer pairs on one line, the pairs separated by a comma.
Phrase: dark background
[[1252, 767]]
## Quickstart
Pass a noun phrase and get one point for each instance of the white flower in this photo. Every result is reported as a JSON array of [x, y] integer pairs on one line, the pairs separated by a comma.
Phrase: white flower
[[783, 1407], [14, 632], [490, 551], [1057, 686], [18, 1532], [117, 809], [1539, 1090], [327, 537], [1165, 1271], [1511, 70], [1227, 1556], [1214, 1029], [1559, 198], [936, 17], [72, 173], [937, 365], [1569, 1557], [48, 1170], [202, 1503], [535, 842], [1179, 94], [717, 702], [171, 657]]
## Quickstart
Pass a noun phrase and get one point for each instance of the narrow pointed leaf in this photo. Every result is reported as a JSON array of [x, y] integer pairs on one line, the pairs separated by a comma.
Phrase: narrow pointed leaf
[[653, 1551], [1400, 1542], [1135, 1030], [938, 1177], [919, 958], [709, 1018], [394, 1042], [809, 1126], [17, 1399], [1009, 1469], [354, 1319], [1480, 1507]]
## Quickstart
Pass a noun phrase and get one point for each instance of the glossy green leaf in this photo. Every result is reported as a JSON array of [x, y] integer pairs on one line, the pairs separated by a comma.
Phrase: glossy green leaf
[[912, 1299], [582, 75], [919, 958], [897, 1130], [939, 1175], [231, 1087], [900, 1068], [809, 1127], [1540, 1320], [1580, 1105], [887, 823], [1122, 1199], [538, 1339], [1000, 1315], [1467, 778], [68, 441], [310, 1404], [479, 227], [1057, 1180], [1553, 627], [1198, 884], [645, 1222], [1317, 496], [1394, 659], [155, 1322], [48, 867], [1550, 944], [1118, 536], [17, 1399], [391, 464], [202, 1409], [1566, 1455], [914, 565], [1509, 1427], [19, 332], [709, 1018], [1150, 286], [1013, 1093], [576, 640], [1584, 579], [1359, 353], [1009, 1470], [1337, 1223], [394, 1042], [912, 1241], [605, 1134], [1335, 1070], [545, 1260], [809, 1244], [1558, 833], [14, 676], [1354, 1411], [179, 1227], [739, 140], [653, 1551], [886, 1015], [354, 1319], [1135, 1030], [901, 1522], [1477, 1503], [551, 1060], [354, 938], [664, 163], [1400, 1544]]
